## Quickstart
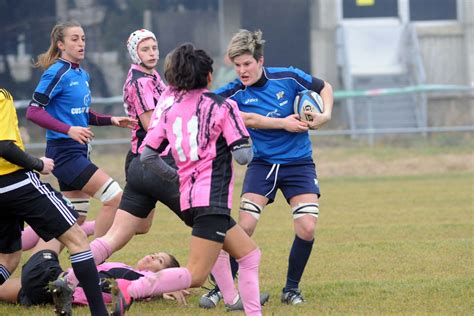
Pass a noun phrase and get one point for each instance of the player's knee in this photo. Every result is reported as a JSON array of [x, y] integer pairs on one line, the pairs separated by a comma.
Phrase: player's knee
[[306, 232], [110, 192], [143, 228], [75, 239], [251, 208], [10, 261]]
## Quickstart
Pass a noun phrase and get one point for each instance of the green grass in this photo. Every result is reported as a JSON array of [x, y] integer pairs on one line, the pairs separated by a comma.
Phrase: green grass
[[391, 244]]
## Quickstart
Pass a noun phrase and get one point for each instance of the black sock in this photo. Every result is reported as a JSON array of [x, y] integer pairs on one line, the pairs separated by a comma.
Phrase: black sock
[[87, 275], [4, 274], [234, 266], [299, 256]]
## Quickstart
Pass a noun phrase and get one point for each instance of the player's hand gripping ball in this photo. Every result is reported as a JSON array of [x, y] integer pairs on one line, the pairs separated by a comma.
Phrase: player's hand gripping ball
[[310, 101]]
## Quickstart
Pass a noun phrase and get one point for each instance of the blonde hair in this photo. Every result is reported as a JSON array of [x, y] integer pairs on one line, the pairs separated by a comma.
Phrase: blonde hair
[[246, 42], [47, 58]]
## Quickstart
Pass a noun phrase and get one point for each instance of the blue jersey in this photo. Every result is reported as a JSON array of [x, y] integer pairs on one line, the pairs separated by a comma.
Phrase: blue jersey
[[273, 99], [67, 97]]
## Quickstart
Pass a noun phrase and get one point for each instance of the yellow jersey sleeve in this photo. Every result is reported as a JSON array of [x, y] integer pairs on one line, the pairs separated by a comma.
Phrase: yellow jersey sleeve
[[8, 129]]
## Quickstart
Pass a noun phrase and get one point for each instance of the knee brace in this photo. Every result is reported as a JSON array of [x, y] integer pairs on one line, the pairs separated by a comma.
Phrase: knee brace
[[250, 207], [81, 205], [108, 191], [305, 208]]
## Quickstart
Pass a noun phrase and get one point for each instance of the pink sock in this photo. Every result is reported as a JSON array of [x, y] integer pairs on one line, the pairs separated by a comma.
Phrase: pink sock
[[29, 238], [165, 281], [223, 275], [248, 283], [101, 250], [88, 227]]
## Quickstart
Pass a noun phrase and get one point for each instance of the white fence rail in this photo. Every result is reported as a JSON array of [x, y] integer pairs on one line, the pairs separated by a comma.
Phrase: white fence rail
[[466, 91]]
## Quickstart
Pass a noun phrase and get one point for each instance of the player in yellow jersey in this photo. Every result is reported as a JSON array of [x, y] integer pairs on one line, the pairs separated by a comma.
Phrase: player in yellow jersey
[[24, 198]]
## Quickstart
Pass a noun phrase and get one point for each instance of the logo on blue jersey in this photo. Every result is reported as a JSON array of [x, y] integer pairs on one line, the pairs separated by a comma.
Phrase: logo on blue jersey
[[280, 94], [80, 110], [87, 99], [251, 100], [273, 113], [73, 83]]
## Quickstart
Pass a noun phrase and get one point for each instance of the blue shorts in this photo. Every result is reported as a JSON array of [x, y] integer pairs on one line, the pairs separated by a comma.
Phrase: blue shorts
[[72, 166], [292, 179]]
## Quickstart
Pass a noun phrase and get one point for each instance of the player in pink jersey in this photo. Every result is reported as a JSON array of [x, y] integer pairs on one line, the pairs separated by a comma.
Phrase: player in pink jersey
[[204, 132], [143, 86], [43, 267], [143, 189]]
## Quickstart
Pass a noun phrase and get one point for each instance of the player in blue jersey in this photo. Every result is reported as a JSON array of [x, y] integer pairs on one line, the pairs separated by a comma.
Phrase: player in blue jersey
[[61, 104], [282, 159]]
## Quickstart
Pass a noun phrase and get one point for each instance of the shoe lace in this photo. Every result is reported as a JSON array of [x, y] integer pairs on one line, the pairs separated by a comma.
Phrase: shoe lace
[[294, 294], [212, 292], [212, 288]]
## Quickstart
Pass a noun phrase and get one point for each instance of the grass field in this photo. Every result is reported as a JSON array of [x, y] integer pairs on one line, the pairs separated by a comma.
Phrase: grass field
[[395, 236]]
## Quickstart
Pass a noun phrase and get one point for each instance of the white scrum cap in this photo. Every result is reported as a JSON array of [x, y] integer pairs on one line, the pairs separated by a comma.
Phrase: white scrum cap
[[134, 39]]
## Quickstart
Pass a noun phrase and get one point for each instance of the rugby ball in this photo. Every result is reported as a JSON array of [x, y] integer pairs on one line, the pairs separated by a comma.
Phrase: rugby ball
[[308, 100]]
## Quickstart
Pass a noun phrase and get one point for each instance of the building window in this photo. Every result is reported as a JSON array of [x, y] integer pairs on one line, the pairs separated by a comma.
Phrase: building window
[[369, 8], [430, 10]]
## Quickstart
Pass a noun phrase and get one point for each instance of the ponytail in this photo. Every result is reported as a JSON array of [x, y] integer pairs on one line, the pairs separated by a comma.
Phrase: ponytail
[[48, 58]]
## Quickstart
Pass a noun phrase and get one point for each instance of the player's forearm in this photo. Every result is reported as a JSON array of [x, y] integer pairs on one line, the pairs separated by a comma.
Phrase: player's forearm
[[97, 119], [253, 120], [12, 153], [42, 118], [328, 99]]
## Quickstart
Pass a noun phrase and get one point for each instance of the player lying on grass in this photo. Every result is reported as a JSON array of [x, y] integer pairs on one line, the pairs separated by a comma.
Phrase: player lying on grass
[[42, 280]]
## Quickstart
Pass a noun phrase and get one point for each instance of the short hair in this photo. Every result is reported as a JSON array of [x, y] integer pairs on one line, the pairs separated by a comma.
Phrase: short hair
[[246, 42], [187, 68]]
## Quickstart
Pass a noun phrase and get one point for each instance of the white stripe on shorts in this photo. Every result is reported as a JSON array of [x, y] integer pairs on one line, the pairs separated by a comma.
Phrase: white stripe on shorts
[[277, 165], [65, 212], [14, 186]]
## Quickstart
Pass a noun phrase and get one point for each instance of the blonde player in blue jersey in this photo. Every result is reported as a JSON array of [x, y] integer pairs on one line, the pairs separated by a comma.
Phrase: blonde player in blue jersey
[[61, 104], [282, 159]]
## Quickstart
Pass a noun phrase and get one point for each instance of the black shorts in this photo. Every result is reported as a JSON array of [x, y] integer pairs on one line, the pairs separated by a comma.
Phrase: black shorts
[[143, 189], [211, 223], [24, 198], [42, 268], [128, 160]]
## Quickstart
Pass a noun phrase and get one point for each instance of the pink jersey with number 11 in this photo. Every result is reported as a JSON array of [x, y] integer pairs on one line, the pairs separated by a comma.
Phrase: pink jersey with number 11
[[200, 127]]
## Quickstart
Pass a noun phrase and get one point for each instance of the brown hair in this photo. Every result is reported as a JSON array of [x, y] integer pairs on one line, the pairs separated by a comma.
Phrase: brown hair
[[47, 58], [174, 263], [187, 68], [246, 42]]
